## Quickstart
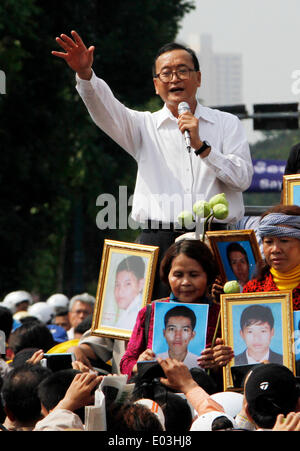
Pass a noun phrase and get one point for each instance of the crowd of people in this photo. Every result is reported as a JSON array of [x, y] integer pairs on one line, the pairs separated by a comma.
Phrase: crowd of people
[[184, 397], [172, 391]]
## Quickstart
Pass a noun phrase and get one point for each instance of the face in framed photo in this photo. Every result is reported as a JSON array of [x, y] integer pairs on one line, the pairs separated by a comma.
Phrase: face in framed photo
[[180, 331], [124, 287], [259, 327], [237, 253], [291, 189]]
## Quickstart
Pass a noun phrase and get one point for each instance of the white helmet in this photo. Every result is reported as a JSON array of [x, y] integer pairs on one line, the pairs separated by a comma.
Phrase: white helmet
[[14, 298], [42, 311], [58, 300]]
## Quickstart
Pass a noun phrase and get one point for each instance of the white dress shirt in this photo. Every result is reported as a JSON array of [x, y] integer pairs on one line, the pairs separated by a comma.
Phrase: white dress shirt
[[127, 318], [169, 178], [191, 360]]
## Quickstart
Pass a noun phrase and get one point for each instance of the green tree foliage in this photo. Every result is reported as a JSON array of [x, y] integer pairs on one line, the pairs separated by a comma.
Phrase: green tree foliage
[[54, 162]]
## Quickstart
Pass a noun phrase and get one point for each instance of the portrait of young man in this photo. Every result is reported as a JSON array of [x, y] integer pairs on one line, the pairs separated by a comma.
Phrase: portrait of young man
[[179, 339], [257, 331]]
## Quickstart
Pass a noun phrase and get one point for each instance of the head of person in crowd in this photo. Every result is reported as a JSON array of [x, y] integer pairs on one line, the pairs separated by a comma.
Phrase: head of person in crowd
[[214, 421], [20, 395], [131, 417], [61, 318], [176, 411], [279, 229], [270, 389], [80, 306], [32, 334], [17, 301], [176, 70], [42, 311], [238, 261], [83, 327], [189, 269], [53, 388], [58, 301], [129, 281], [6, 322]]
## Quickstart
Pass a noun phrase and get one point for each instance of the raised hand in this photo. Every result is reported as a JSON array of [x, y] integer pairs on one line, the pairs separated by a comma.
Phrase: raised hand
[[77, 56]]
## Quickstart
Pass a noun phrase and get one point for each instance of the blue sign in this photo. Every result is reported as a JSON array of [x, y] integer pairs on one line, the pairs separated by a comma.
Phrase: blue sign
[[267, 176]]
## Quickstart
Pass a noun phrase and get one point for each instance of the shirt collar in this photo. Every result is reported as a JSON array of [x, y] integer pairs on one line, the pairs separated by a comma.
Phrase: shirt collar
[[202, 112]]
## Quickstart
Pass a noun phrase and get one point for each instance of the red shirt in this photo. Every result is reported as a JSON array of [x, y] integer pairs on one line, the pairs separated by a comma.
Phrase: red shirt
[[137, 343], [268, 284]]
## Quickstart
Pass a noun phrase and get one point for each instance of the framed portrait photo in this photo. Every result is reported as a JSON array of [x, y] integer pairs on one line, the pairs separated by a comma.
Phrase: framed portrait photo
[[259, 327], [291, 189], [237, 253], [125, 286], [179, 331]]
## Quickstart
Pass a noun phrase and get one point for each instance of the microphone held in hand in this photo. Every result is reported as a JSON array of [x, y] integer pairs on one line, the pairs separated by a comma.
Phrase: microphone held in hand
[[182, 107]]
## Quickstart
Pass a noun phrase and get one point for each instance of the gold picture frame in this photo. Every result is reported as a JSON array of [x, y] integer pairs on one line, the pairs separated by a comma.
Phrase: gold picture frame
[[244, 239], [233, 314], [291, 189], [125, 285]]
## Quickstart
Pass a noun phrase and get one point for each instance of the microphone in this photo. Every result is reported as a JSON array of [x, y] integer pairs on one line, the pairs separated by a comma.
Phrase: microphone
[[182, 107]]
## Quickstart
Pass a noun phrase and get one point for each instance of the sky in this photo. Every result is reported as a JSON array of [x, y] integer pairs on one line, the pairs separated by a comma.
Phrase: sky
[[267, 35]]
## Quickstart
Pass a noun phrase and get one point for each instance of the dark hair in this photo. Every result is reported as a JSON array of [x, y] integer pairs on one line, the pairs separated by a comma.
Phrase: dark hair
[[236, 247], [31, 335], [181, 310], [61, 311], [53, 388], [195, 249], [20, 392], [175, 46], [132, 417], [6, 321], [263, 267], [134, 264], [85, 324], [221, 423], [255, 313]]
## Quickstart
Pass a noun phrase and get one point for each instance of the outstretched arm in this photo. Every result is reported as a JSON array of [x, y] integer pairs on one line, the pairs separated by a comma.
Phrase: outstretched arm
[[77, 55]]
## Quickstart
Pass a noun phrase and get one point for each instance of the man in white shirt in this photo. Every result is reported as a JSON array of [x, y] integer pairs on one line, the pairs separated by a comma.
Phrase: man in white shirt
[[169, 178]]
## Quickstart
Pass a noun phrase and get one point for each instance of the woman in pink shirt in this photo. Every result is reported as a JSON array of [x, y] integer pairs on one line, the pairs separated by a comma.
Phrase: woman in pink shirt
[[189, 269]]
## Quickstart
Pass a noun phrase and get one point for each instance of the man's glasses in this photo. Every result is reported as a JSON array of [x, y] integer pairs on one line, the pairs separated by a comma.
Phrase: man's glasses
[[167, 75]]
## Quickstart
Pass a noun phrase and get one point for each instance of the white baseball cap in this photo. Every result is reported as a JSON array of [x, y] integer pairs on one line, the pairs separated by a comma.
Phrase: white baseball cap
[[58, 300], [204, 422], [14, 298]]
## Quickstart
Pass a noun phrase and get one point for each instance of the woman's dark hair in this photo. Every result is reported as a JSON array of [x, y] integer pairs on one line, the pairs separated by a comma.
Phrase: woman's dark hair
[[195, 249], [175, 46], [262, 267]]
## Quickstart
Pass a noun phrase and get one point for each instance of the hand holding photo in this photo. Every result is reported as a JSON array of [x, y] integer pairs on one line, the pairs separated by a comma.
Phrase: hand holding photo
[[180, 331]]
